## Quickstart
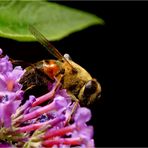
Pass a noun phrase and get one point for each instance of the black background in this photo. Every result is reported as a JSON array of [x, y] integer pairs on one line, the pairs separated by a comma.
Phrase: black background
[[115, 54]]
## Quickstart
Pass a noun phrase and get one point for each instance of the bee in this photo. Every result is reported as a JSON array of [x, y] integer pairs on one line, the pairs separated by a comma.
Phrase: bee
[[74, 78]]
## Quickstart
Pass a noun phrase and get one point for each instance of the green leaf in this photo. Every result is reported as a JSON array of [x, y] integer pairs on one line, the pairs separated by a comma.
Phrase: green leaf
[[53, 20]]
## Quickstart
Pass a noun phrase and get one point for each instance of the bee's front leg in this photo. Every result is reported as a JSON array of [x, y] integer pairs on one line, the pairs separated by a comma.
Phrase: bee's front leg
[[58, 81], [76, 103]]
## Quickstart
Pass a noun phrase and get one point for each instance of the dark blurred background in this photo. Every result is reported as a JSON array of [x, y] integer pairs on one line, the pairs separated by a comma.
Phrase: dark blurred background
[[114, 54]]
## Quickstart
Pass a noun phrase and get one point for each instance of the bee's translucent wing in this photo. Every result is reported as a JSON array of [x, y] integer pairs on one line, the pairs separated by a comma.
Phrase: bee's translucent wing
[[47, 44]]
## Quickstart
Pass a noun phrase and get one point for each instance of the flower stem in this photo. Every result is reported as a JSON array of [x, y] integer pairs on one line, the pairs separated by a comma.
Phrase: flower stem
[[36, 126], [43, 98], [47, 96], [59, 132], [38, 112], [31, 127], [66, 141]]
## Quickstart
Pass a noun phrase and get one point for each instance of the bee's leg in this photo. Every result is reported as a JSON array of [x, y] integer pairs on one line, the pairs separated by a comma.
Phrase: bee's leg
[[76, 103], [26, 93], [50, 95], [28, 88], [58, 79]]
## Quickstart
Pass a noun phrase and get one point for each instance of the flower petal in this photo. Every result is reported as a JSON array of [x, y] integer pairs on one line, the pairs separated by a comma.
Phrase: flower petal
[[9, 109], [82, 115]]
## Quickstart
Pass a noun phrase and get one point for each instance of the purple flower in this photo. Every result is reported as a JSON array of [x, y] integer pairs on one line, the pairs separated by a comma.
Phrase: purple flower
[[33, 125], [57, 104], [78, 133], [5, 145], [9, 80], [6, 111], [9, 77], [10, 90], [5, 64], [1, 51], [82, 115]]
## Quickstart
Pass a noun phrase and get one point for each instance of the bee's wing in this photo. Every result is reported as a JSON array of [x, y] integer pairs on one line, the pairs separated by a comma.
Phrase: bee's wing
[[47, 44]]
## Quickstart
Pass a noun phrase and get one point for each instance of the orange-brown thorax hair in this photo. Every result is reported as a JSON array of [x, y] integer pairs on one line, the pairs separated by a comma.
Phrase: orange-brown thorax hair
[[51, 68]]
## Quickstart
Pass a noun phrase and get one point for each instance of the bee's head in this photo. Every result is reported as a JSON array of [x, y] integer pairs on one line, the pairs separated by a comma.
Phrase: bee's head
[[89, 92]]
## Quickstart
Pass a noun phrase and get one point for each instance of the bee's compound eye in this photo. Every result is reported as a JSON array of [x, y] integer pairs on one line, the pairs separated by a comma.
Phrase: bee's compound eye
[[67, 56], [89, 92], [90, 88]]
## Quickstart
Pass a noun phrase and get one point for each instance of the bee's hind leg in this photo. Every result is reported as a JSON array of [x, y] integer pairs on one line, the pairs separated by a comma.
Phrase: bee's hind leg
[[50, 95], [30, 87]]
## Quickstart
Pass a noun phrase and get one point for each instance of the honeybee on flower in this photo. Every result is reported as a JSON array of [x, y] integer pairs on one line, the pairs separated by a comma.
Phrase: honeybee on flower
[[26, 125]]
